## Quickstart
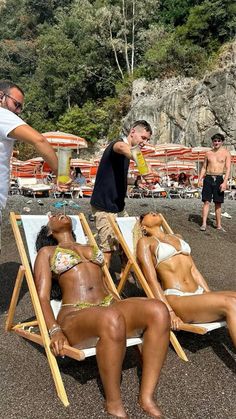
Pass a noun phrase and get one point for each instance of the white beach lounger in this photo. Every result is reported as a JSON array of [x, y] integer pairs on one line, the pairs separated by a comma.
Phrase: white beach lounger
[[32, 225], [123, 228], [30, 186]]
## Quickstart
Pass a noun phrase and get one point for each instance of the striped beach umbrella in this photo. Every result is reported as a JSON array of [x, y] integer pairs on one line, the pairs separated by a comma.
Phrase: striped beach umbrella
[[177, 166], [196, 154], [167, 151], [63, 139]]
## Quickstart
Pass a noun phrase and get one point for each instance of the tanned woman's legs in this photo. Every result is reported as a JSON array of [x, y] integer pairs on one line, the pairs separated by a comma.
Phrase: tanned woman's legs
[[110, 351], [112, 325], [109, 326], [152, 316], [208, 307]]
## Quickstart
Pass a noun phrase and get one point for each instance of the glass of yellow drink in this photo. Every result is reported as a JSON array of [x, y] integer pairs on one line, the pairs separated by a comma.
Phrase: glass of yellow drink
[[64, 156], [140, 160]]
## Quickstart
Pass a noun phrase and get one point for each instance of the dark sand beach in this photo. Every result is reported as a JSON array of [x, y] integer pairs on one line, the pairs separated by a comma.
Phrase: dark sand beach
[[204, 387]]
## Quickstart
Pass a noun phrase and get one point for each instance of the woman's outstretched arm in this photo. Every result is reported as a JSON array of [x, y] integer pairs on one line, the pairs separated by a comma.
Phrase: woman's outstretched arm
[[43, 282]]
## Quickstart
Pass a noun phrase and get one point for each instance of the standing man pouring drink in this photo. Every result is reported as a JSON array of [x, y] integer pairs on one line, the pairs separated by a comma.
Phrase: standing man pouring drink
[[217, 161], [111, 183], [12, 128]]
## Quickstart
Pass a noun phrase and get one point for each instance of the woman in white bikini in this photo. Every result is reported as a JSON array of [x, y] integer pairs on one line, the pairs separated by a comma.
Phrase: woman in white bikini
[[91, 314], [167, 265]]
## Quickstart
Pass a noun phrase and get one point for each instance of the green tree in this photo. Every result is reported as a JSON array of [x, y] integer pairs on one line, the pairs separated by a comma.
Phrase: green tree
[[88, 122], [210, 24], [17, 59], [119, 24], [58, 80], [170, 57], [176, 12]]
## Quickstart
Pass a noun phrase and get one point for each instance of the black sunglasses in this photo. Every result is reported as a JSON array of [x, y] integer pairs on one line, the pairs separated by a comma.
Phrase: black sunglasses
[[18, 105]]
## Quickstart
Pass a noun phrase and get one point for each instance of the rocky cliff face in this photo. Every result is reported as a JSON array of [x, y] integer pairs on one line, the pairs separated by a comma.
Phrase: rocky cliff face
[[189, 111]]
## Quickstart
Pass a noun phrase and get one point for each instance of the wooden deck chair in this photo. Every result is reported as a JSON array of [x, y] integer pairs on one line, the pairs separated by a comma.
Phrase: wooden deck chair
[[123, 229], [31, 225]]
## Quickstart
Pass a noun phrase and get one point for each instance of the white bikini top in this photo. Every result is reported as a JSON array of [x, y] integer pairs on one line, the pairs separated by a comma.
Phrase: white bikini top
[[165, 251]]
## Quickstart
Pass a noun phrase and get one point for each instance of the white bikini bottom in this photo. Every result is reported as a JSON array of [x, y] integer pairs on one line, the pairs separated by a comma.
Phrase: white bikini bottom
[[173, 291]]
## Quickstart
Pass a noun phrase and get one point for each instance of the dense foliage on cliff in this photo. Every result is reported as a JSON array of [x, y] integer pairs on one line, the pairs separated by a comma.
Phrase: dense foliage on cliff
[[76, 59]]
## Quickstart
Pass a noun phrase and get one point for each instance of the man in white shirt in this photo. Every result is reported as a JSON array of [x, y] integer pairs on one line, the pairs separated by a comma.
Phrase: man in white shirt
[[14, 128]]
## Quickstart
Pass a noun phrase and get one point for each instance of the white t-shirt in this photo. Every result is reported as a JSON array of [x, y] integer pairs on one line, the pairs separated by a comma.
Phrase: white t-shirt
[[8, 122]]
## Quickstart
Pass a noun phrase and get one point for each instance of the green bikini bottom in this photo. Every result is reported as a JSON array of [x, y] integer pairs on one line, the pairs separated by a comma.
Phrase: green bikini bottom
[[80, 305]]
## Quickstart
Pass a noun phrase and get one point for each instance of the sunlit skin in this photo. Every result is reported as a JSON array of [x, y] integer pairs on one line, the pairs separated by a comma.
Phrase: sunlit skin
[[108, 326], [180, 272], [216, 162]]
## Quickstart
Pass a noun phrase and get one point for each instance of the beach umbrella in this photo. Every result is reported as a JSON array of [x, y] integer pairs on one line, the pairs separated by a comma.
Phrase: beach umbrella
[[63, 139], [84, 165], [167, 150], [177, 166], [148, 149], [196, 154]]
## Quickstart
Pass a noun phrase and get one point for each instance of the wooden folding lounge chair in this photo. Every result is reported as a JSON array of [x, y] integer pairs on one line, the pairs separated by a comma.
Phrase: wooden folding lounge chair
[[36, 330], [123, 228]]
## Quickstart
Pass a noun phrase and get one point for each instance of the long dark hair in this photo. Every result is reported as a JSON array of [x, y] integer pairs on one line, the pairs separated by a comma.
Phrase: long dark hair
[[46, 239]]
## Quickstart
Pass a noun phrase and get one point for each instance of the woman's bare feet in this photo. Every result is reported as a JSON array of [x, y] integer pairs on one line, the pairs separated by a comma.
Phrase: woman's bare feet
[[151, 408], [116, 409]]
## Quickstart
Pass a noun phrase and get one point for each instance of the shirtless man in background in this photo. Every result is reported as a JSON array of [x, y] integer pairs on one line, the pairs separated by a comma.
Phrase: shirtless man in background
[[216, 163]]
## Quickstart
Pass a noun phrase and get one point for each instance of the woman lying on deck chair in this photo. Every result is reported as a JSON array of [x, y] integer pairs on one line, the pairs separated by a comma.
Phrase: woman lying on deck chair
[[166, 257], [91, 315]]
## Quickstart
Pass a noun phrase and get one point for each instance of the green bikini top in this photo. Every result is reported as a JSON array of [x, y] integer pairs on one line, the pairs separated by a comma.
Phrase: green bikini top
[[65, 259]]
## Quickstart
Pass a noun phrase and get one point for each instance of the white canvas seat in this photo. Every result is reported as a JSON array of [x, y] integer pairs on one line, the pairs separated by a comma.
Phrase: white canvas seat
[[31, 225]]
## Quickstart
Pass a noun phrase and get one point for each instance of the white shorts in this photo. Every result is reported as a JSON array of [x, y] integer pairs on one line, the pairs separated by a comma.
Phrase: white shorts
[[173, 291]]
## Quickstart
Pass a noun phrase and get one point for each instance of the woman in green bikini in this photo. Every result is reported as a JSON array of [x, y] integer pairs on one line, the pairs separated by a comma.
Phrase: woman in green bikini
[[91, 313]]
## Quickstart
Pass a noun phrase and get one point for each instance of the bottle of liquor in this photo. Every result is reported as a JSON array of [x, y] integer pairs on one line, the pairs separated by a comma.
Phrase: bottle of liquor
[[139, 160]]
